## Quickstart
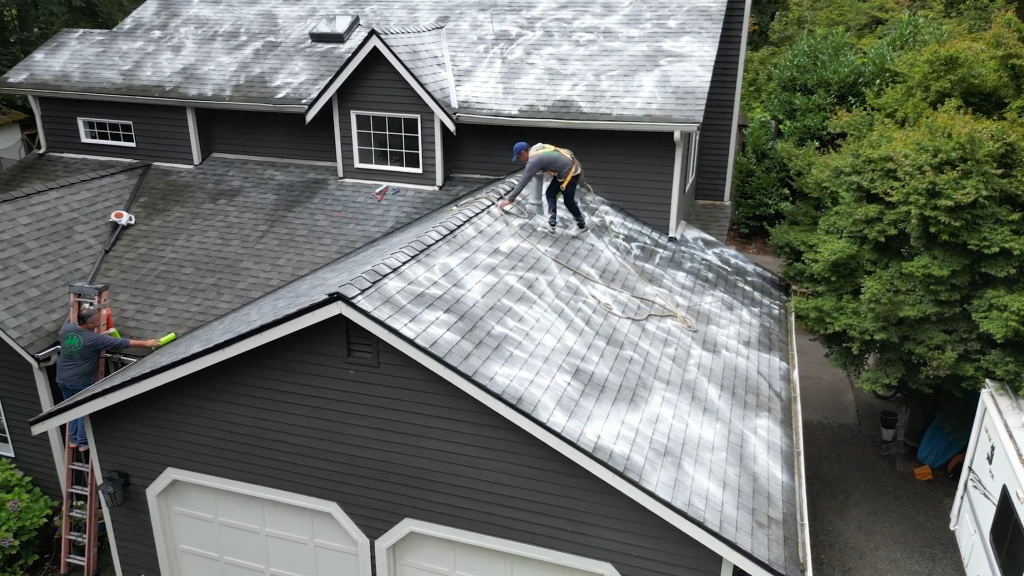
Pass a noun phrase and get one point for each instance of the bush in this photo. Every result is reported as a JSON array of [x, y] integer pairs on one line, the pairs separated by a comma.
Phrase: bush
[[762, 193], [24, 510]]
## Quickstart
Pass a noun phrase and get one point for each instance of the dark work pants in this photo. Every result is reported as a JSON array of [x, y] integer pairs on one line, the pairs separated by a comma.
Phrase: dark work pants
[[568, 198]]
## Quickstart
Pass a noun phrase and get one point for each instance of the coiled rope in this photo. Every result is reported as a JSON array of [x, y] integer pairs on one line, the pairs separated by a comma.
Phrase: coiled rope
[[670, 311]]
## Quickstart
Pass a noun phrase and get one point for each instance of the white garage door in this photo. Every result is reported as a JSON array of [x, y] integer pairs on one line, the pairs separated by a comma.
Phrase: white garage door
[[422, 555], [209, 531]]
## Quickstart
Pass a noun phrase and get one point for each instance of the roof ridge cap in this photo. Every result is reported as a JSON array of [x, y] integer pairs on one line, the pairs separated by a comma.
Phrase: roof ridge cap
[[27, 191], [416, 28]]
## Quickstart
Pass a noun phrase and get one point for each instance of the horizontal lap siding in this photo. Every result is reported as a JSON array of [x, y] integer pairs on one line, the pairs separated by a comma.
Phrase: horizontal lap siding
[[20, 400], [385, 444], [161, 132], [716, 129], [375, 86], [631, 169], [268, 134]]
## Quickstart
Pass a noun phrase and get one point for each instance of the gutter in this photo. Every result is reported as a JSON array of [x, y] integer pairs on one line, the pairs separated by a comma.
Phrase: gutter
[[578, 124], [803, 518], [248, 106]]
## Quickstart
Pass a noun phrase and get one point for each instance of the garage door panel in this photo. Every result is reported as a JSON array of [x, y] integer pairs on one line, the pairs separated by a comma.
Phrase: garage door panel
[[476, 561], [239, 570], [327, 531], [290, 556], [424, 550], [192, 563], [199, 533], [242, 544], [422, 555], [241, 509], [336, 562], [288, 519]]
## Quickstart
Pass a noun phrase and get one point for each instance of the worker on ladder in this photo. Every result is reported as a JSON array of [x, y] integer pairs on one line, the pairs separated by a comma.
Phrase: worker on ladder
[[78, 364], [565, 173]]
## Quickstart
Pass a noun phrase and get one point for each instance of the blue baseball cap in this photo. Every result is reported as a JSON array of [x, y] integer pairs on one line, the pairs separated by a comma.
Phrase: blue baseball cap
[[518, 149]]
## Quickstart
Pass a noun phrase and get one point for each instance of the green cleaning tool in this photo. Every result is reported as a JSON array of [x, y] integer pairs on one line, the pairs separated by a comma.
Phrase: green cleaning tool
[[163, 341], [113, 332]]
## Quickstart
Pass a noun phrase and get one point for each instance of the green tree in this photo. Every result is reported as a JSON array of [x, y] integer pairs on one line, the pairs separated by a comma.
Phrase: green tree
[[910, 250]]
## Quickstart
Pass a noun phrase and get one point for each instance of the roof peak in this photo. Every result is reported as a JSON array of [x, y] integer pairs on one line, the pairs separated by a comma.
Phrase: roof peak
[[393, 30]]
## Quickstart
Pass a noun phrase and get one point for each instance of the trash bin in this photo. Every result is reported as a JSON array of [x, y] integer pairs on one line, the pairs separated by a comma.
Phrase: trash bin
[[889, 420]]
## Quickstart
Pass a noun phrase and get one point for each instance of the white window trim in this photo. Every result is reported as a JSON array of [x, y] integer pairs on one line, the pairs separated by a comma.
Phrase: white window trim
[[6, 449], [691, 165], [171, 475], [409, 525], [355, 142], [81, 132]]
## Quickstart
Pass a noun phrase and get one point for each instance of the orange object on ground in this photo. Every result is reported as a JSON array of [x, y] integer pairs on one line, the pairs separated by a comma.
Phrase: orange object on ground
[[923, 473], [952, 463]]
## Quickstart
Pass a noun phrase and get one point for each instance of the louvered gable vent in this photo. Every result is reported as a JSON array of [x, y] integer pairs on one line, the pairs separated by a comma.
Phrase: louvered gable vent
[[361, 347]]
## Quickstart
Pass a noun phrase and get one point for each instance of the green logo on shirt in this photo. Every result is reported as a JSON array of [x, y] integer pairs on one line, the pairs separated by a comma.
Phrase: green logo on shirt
[[72, 342]]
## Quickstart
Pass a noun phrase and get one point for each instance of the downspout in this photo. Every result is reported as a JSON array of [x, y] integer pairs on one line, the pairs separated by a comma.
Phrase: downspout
[[803, 520], [46, 401], [37, 112]]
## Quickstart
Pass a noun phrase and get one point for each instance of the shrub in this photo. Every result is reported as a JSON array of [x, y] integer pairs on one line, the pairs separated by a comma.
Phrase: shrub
[[762, 193], [24, 509]]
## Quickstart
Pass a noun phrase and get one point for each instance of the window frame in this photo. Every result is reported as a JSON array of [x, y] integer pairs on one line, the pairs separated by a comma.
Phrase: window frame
[[1005, 506], [374, 343], [355, 141], [6, 449], [691, 163], [87, 140]]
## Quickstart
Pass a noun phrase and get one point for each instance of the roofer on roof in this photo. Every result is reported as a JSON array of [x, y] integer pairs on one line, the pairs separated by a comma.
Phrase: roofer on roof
[[79, 361], [565, 173]]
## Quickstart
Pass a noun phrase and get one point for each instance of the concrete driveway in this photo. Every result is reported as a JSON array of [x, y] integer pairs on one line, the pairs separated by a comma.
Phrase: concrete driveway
[[868, 515]]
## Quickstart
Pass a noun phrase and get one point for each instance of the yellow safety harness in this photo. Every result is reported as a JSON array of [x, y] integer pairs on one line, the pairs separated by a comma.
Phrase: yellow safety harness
[[575, 169]]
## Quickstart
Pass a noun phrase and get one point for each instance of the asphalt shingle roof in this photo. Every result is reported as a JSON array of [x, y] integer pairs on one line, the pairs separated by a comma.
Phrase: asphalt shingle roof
[[206, 241], [35, 169], [567, 59], [700, 419]]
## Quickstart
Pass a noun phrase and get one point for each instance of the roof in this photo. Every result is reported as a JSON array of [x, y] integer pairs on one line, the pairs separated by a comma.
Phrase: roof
[[8, 116], [206, 240], [700, 419], [607, 60]]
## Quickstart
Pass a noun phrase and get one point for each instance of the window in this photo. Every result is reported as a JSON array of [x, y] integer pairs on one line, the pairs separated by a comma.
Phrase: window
[[691, 164], [6, 447], [1007, 537], [361, 347], [387, 141], [111, 132]]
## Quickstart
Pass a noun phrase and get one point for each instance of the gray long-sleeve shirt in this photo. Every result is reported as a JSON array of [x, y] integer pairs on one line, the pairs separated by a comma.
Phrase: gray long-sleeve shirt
[[550, 161]]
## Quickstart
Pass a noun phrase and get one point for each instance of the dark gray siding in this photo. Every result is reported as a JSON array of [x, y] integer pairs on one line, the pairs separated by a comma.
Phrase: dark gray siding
[[269, 134], [632, 169], [377, 87], [161, 132], [716, 129], [204, 133], [384, 443], [21, 402]]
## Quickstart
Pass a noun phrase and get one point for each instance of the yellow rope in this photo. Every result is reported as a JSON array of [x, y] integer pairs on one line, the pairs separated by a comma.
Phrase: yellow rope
[[671, 311]]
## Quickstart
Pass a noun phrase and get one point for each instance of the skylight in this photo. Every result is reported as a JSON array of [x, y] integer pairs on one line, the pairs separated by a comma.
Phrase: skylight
[[334, 28]]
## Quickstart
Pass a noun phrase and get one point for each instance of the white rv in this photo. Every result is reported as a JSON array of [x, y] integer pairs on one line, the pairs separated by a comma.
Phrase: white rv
[[989, 501]]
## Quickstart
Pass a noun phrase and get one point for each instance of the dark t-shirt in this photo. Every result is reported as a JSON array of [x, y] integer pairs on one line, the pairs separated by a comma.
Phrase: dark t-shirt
[[80, 354]]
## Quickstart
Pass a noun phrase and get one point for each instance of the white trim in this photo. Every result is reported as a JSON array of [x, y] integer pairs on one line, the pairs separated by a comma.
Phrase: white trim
[[171, 475], [272, 159], [376, 42], [7, 433], [399, 184], [38, 113], [173, 165], [727, 568], [677, 169], [972, 448], [696, 532], [452, 96], [410, 525], [91, 157], [736, 107], [581, 124], [193, 135], [45, 395], [803, 518], [337, 136], [355, 141], [438, 152], [94, 457], [87, 140], [464, 175], [691, 161], [157, 380], [285, 108]]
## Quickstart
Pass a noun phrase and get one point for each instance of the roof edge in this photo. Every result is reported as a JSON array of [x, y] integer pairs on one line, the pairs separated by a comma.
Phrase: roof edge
[[6, 88], [67, 181], [626, 126], [802, 515]]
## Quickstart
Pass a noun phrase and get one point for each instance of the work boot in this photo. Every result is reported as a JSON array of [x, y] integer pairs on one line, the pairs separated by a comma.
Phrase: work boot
[[550, 228], [580, 230]]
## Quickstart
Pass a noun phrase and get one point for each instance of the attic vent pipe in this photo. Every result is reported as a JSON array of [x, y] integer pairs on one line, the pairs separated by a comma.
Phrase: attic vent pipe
[[336, 29]]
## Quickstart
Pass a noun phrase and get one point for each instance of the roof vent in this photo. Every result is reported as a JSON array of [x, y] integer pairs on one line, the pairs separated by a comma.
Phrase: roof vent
[[334, 29]]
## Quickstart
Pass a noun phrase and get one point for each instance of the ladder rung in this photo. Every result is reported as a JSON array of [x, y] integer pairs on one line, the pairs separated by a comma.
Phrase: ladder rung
[[76, 559], [80, 466], [82, 490], [78, 537], [76, 513]]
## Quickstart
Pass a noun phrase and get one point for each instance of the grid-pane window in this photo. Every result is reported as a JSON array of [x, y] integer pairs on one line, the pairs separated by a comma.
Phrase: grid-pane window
[[6, 447], [387, 142], [112, 132], [1007, 536]]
